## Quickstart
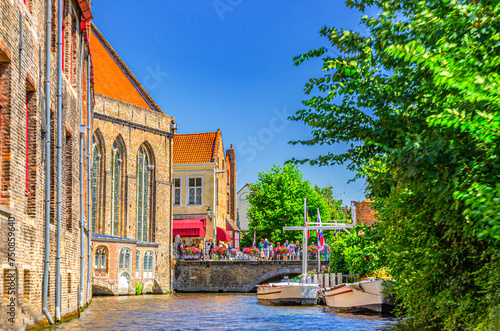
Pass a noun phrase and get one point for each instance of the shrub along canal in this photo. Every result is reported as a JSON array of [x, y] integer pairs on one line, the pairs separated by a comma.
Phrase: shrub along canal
[[212, 312]]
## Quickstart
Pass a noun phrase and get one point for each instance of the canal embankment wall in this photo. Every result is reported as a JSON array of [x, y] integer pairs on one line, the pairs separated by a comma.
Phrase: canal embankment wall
[[233, 276]]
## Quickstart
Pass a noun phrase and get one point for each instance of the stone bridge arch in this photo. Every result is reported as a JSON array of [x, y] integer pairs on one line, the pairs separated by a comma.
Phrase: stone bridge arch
[[274, 276], [233, 276], [102, 289]]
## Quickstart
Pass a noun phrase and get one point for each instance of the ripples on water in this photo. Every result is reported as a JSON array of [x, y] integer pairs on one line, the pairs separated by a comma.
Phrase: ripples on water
[[212, 312]]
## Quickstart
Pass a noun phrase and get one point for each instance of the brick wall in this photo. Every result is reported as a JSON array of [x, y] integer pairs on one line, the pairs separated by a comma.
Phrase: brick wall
[[231, 162], [134, 127], [364, 212], [22, 160], [106, 280]]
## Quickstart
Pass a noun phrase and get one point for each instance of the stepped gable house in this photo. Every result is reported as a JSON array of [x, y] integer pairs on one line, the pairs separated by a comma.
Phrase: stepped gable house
[[204, 203], [131, 180], [24, 125]]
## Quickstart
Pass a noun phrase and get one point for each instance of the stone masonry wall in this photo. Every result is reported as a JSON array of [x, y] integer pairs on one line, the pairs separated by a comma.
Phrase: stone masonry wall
[[22, 146], [135, 126], [233, 276]]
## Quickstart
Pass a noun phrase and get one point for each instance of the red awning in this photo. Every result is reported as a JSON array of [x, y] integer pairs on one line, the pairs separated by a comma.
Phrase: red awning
[[223, 234], [191, 227]]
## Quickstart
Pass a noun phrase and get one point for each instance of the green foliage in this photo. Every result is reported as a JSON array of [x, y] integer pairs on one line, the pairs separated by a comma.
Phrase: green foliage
[[247, 240], [276, 200], [355, 254], [139, 286], [334, 208], [417, 99]]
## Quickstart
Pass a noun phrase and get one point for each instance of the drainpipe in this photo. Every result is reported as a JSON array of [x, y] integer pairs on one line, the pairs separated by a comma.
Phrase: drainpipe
[[82, 231], [173, 128], [46, 265], [82, 143], [215, 204], [59, 157], [89, 146]]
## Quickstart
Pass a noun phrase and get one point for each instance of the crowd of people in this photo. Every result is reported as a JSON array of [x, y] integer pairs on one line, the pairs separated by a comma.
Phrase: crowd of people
[[289, 251]]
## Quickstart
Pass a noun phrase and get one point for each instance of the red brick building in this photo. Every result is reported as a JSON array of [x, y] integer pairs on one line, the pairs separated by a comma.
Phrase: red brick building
[[30, 105]]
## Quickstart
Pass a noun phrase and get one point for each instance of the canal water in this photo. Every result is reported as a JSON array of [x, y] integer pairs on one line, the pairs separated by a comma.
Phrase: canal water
[[213, 312]]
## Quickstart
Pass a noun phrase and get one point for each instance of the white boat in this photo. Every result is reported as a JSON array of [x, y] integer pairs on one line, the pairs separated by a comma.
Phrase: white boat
[[361, 297], [288, 293]]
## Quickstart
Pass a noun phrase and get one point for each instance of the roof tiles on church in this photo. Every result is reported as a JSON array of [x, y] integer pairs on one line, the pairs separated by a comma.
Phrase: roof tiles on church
[[192, 148], [111, 79]]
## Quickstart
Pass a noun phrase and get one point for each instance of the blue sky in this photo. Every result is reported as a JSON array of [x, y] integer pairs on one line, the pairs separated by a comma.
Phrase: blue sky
[[228, 64]]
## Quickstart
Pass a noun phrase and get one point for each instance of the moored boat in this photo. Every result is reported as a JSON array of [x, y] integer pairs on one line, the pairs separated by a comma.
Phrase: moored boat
[[367, 296], [288, 293]]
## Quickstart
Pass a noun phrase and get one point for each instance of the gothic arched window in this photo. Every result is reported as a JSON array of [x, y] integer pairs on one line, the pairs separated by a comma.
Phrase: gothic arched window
[[145, 170], [116, 160], [125, 254], [101, 260], [148, 264], [97, 183], [137, 263]]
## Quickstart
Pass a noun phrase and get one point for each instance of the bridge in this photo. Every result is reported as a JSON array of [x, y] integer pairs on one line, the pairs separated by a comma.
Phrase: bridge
[[234, 276]]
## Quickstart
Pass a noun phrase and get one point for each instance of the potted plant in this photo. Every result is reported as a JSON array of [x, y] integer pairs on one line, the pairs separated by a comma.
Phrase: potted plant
[[192, 253]]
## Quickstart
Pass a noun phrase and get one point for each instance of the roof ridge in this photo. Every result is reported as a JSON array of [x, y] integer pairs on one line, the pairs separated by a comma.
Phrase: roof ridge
[[217, 135], [243, 188], [126, 70], [183, 134]]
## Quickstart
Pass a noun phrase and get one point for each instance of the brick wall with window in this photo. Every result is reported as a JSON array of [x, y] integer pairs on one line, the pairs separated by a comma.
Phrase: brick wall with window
[[22, 161]]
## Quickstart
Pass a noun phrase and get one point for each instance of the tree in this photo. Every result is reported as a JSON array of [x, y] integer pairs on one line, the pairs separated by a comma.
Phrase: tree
[[276, 200], [417, 99], [353, 253], [334, 205], [334, 208]]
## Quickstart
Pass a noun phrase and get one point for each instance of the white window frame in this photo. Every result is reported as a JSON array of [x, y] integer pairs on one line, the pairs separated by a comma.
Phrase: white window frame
[[130, 264], [138, 263], [202, 189], [148, 273], [180, 194]]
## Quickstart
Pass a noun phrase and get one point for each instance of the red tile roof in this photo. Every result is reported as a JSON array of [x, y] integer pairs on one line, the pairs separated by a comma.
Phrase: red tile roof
[[233, 225], [195, 147], [110, 78]]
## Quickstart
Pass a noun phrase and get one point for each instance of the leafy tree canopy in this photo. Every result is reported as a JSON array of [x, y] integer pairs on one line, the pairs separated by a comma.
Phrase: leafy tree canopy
[[276, 200], [417, 99]]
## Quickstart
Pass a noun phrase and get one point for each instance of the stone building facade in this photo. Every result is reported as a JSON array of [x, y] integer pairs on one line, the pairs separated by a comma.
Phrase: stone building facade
[[131, 179], [23, 45], [204, 177]]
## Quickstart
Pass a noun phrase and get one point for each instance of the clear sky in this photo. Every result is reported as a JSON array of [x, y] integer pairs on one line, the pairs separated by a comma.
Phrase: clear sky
[[228, 64]]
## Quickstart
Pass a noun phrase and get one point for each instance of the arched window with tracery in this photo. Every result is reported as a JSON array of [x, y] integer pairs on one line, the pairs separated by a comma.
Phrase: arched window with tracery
[[148, 264], [145, 175], [97, 183], [101, 261], [125, 255], [137, 263], [117, 176]]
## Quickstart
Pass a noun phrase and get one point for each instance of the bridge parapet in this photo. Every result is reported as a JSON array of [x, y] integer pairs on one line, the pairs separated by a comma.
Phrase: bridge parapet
[[233, 276]]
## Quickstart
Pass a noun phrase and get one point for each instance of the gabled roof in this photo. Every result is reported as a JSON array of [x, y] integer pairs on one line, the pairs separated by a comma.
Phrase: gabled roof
[[196, 147], [113, 78], [232, 224], [243, 188]]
